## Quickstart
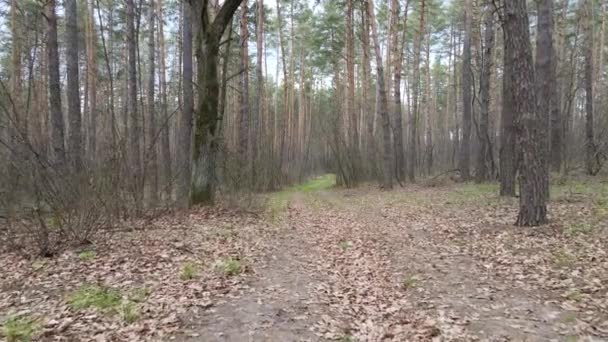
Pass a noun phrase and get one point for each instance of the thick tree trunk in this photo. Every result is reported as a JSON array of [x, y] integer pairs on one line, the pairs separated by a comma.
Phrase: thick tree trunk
[[52, 49], [206, 140], [75, 146], [465, 147], [483, 157], [387, 157], [546, 81], [532, 206]]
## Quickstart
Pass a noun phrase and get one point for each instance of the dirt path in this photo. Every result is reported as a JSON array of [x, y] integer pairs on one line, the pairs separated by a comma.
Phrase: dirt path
[[370, 266]]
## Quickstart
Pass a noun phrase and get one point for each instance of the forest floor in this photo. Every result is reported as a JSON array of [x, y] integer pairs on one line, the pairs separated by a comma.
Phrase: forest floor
[[418, 263]]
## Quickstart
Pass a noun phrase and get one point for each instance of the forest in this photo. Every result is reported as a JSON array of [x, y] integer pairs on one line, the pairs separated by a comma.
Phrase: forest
[[303, 170]]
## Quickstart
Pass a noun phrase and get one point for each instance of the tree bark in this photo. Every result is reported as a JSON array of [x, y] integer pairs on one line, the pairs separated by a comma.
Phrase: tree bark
[[387, 157], [465, 147], [92, 81], [135, 127], [165, 129], [52, 48], [590, 147], [243, 136], [413, 146], [532, 206], [184, 150], [397, 66], [508, 160], [353, 135], [546, 81], [483, 157], [152, 156], [75, 146], [206, 140]]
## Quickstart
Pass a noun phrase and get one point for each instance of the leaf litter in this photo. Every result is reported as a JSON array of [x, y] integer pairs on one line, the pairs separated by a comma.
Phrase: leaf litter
[[414, 264]]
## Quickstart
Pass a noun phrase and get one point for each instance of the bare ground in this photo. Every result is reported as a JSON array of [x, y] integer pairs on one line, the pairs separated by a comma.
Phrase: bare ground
[[414, 264]]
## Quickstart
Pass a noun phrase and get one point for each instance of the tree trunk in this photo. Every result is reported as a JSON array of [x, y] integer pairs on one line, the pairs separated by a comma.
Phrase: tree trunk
[[261, 93], [52, 48], [92, 81], [353, 141], [508, 160], [546, 81], [387, 157], [413, 148], [397, 66], [206, 140], [590, 147], [184, 148], [152, 156], [483, 157], [75, 147], [243, 136], [135, 127], [465, 148], [532, 206], [367, 94], [165, 128]]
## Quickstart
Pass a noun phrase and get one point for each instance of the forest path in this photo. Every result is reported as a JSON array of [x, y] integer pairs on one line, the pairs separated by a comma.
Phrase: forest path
[[414, 264]]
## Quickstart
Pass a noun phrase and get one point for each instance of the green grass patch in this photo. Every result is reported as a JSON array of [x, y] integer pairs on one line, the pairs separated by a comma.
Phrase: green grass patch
[[574, 295], [277, 202], [139, 294], [409, 282], [569, 189], [129, 312], [102, 299], [229, 266], [108, 301], [86, 256], [344, 245], [20, 328], [189, 271], [579, 228], [346, 338], [470, 192], [563, 258]]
